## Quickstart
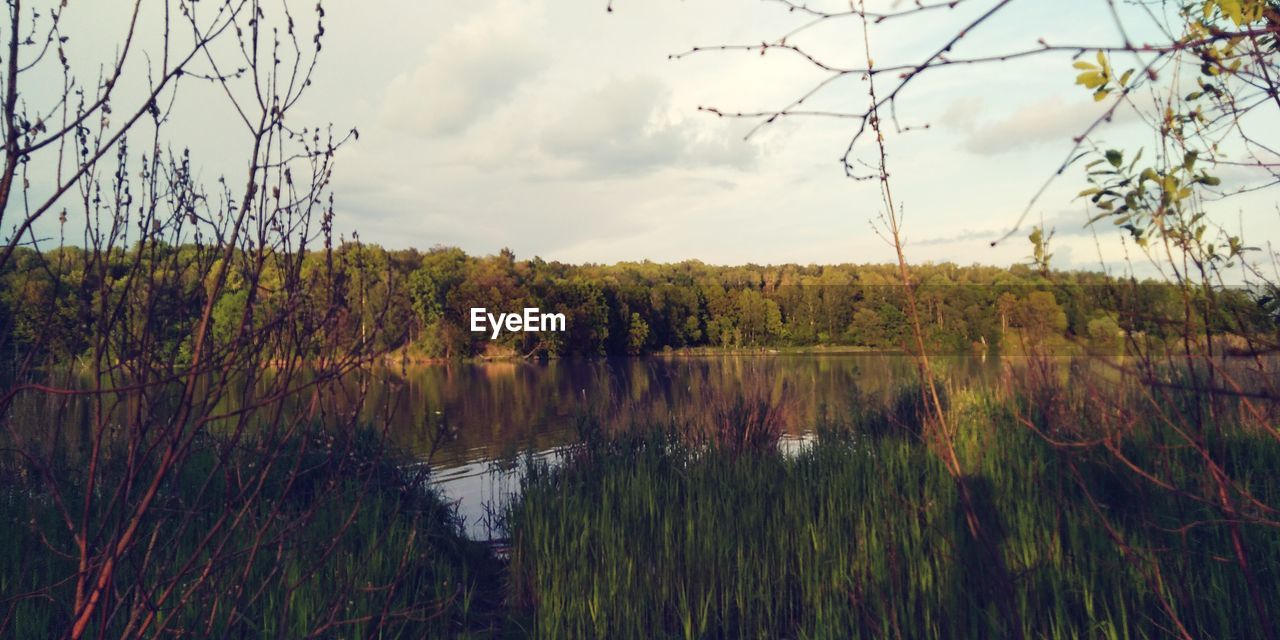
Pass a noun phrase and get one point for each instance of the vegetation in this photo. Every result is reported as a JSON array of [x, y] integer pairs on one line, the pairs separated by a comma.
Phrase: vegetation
[[713, 531], [419, 303], [175, 462], [862, 535], [338, 540]]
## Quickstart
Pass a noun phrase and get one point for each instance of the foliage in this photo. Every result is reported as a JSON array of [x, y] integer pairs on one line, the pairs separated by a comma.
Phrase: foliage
[[351, 514], [423, 300], [864, 537]]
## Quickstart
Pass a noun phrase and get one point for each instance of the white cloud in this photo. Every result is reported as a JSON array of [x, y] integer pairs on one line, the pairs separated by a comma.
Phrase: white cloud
[[468, 72], [555, 128], [1048, 120], [626, 127]]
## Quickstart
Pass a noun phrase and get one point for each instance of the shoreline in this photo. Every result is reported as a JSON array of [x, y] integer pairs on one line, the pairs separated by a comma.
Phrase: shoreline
[[666, 354]]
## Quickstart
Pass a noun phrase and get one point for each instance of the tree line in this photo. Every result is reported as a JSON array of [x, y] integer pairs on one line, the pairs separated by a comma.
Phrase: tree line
[[418, 303]]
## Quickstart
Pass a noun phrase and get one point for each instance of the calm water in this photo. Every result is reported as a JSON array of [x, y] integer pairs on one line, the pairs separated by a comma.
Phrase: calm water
[[495, 411]]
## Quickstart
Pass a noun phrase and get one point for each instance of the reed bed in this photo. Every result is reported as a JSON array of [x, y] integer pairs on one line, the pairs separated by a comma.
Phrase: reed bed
[[650, 536], [673, 534], [348, 547]]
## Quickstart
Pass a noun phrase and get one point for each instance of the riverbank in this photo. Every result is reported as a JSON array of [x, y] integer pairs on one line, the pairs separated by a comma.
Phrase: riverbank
[[337, 539], [864, 535], [658, 533], [407, 356]]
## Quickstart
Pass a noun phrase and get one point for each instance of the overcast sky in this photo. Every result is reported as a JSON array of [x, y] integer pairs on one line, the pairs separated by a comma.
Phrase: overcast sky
[[557, 129]]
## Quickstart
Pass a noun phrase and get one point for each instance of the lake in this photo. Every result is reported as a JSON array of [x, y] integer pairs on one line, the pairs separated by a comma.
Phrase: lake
[[495, 411], [473, 422]]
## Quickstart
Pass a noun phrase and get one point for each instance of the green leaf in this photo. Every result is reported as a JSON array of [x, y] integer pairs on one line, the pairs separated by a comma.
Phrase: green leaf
[[1091, 79], [1115, 157], [1136, 157], [1233, 10]]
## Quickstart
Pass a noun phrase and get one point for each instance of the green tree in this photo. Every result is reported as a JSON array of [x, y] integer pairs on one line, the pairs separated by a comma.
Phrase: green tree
[[637, 335], [1041, 316], [1105, 335]]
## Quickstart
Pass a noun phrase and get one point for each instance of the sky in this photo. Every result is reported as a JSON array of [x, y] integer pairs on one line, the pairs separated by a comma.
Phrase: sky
[[558, 129]]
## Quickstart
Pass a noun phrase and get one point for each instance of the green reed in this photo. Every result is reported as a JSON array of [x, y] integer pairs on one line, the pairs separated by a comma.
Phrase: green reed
[[362, 544], [640, 537], [648, 535]]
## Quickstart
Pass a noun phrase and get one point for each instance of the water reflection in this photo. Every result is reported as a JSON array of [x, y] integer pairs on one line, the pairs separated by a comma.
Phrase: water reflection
[[492, 412]]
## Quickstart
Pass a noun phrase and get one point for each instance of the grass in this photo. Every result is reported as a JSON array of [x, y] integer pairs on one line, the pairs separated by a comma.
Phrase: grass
[[659, 535], [863, 537], [349, 546]]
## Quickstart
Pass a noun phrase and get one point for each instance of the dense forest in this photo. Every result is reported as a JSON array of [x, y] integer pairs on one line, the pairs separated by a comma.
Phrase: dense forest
[[417, 303]]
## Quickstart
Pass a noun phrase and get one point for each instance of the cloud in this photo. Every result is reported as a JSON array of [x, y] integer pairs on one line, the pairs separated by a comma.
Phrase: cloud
[[1076, 223], [466, 73], [967, 235], [1049, 120], [963, 113], [1065, 223], [1261, 169], [625, 127]]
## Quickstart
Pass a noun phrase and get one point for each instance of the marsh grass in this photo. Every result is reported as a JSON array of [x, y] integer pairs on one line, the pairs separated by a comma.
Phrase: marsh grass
[[658, 533], [334, 546], [751, 421], [863, 537]]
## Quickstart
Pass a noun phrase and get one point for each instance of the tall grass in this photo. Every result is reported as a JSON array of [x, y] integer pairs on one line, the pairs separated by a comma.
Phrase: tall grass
[[666, 534], [751, 421], [331, 547], [864, 537]]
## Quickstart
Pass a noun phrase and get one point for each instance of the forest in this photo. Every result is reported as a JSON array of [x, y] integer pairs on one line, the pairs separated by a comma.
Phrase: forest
[[415, 304], [209, 428]]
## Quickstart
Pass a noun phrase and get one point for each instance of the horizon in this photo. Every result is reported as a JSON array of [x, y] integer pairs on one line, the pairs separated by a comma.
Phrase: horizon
[[1026, 264]]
